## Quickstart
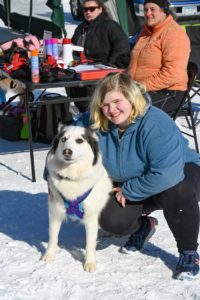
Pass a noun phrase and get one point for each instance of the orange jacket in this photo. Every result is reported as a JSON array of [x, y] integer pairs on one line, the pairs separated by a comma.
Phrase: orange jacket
[[159, 58]]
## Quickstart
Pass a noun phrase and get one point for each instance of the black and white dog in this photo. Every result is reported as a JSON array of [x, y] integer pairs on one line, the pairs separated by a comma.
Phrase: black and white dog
[[78, 186]]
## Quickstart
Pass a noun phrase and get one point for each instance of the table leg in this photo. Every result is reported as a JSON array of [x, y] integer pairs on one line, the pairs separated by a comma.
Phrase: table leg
[[30, 135]]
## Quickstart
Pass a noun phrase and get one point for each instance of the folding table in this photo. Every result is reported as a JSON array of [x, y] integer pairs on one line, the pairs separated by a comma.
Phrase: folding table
[[29, 87]]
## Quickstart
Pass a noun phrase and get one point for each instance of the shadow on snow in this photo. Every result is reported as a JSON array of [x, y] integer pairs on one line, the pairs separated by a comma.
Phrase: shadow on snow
[[24, 217]]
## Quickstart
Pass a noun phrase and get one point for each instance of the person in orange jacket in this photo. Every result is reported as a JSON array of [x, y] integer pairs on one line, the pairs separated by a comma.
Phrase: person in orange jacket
[[160, 56]]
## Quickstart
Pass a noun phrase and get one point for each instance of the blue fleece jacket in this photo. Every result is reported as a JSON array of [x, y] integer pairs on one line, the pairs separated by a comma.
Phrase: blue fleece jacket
[[150, 156]]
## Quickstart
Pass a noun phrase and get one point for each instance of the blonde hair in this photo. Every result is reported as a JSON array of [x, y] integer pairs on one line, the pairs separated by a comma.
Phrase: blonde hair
[[133, 91]]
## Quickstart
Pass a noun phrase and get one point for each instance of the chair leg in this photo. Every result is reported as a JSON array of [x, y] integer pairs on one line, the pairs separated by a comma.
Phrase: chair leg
[[193, 127], [188, 122], [194, 134]]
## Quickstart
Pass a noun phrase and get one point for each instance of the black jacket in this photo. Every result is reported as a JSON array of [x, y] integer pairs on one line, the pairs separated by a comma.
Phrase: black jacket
[[105, 41]]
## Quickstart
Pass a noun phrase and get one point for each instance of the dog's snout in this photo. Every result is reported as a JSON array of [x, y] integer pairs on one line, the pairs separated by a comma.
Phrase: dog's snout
[[67, 152]]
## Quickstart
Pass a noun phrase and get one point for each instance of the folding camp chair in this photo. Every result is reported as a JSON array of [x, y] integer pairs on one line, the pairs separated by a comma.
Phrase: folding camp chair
[[185, 108], [196, 106]]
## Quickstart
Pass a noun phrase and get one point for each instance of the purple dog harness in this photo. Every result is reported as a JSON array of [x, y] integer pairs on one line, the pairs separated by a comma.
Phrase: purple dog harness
[[75, 207]]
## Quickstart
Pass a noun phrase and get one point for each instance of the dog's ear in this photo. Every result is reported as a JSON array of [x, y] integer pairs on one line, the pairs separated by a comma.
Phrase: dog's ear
[[92, 140], [55, 142], [60, 126]]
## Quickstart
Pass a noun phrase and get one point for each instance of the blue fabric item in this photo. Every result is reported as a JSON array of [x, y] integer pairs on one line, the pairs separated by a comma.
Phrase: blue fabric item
[[75, 207], [133, 39], [150, 156], [2, 96]]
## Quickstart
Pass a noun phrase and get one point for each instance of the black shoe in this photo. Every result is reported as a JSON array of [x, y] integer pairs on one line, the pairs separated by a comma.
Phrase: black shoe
[[188, 266], [138, 240]]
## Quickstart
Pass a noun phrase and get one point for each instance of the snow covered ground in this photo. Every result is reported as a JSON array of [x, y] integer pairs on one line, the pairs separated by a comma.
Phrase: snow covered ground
[[24, 236]]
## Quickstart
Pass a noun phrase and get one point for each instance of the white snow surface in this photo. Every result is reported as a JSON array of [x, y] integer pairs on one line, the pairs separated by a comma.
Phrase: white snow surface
[[24, 236]]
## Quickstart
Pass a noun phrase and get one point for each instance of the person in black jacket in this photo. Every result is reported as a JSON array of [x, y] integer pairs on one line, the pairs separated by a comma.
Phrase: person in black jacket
[[103, 40]]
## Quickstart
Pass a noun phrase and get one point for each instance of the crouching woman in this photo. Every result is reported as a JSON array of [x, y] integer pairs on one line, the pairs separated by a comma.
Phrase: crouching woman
[[152, 167]]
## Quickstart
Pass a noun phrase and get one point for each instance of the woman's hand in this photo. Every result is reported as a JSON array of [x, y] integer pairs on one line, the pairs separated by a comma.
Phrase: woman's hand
[[119, 197]]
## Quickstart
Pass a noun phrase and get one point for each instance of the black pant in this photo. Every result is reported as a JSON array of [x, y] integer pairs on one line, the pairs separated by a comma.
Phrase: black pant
[[167, 100], [180, 208]]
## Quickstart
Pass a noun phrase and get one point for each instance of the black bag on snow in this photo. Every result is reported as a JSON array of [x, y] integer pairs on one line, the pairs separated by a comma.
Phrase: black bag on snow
[[11, 120], [10, 127], [47, 117]]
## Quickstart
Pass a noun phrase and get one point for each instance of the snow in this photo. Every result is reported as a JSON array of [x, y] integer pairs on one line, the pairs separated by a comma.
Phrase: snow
[[24, 236]]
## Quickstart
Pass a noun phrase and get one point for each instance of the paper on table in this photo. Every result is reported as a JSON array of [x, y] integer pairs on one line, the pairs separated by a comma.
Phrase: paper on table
[[89, 67]]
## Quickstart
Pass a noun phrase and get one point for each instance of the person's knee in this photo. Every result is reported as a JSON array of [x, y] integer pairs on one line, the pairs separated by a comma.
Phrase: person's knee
[[118, 220], [116, 225]]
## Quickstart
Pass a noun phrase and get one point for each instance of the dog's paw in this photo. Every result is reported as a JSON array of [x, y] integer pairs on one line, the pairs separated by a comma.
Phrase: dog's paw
[[48, 257], [90, 267]]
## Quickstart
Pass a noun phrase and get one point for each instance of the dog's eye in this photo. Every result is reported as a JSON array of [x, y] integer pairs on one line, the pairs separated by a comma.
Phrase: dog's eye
[[63, 139], [79, 141]]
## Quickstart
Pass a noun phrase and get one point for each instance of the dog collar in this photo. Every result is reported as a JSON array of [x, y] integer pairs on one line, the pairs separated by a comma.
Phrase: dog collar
[[75, 207]]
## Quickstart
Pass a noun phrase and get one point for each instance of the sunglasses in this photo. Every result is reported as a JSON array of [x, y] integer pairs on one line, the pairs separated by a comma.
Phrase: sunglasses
[[90, 8]]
